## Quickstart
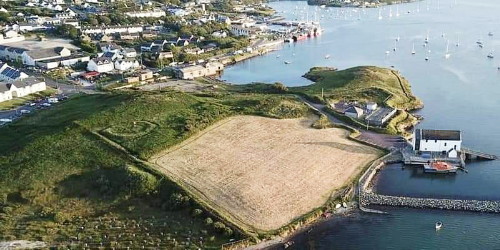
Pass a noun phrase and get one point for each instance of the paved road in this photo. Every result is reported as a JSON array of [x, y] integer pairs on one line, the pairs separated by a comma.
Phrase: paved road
[[386, 141]]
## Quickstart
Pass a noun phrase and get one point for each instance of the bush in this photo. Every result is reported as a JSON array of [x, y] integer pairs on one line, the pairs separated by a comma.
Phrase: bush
[[280, 87], [178, 201], [322, 123], [228, 231], [219, 226], [140, 182], [197, 212], [208, 221]]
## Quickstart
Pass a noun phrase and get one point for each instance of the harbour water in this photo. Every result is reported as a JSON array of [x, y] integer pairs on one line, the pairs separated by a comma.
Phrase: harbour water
[[460, 92]]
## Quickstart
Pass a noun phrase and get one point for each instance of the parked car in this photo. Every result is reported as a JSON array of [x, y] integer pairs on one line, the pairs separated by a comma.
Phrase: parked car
[[45, 104], [5, 120], [52, 100], [24, 111]]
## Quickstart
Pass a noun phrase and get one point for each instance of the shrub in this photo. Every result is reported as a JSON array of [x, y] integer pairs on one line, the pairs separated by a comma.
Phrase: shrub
[[219, 226], [140, 182], [228, 231], [178, 201], [197, 212], [208, 221]]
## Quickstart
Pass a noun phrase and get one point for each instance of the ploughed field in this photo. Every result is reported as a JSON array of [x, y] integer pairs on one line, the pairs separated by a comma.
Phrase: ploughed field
[[263, 172]]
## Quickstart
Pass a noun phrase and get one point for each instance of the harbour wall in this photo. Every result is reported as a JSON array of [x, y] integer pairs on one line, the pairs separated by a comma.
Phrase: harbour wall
[[368, 197], [446, 204]]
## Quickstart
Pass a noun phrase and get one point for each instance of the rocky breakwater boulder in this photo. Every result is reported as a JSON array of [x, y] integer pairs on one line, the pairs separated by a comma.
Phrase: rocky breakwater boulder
[[448, 204]]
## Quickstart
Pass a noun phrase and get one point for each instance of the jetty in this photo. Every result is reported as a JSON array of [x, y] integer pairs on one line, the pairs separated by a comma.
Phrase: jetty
[[470, 154]]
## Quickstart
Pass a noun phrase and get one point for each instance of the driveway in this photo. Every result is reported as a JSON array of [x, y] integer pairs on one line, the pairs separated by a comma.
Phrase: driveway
[[386, 141]]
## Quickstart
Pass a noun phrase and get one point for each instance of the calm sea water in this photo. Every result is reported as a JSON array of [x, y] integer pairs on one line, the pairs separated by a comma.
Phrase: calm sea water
[[461, 92]]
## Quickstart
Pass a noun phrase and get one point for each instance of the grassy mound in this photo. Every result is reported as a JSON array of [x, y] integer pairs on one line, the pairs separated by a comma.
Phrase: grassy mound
[[72, 186], [363, 84]]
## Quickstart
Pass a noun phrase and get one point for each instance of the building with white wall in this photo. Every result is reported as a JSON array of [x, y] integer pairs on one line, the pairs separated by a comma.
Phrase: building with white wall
[[10, 90], [101, 65], [146, 13], [9, 73], [428, 140]]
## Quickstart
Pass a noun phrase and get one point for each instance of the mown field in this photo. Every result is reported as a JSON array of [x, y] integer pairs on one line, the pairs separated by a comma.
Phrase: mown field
[[266, 172], [63, 184], [362, 84]]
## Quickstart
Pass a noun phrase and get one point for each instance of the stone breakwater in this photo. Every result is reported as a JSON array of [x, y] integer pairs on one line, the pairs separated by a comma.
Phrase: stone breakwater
[[446, 204]]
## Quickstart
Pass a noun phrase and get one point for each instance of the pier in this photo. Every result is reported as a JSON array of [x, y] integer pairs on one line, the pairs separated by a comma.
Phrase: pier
[[471, 154]]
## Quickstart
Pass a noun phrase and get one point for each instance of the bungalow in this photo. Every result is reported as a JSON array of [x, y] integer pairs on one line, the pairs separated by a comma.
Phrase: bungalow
[[126, 64], [165, 55], [353, 112], [380, 116], [20, 88], [101, 64], [193, 71], [210, 47], [8, 73], [147, 34], [194, 51]]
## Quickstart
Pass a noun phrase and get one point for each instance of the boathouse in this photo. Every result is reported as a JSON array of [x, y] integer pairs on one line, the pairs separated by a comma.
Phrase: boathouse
[[444, 141]]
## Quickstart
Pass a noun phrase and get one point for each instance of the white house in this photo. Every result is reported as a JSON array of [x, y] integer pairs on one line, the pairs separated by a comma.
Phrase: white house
[[110, 47], [126, 64], [8, 73], [219, 34], [129, 52], [146, 13], [353, 112], [179, 12], [447, 141], [101, 64], [112, 29], [10, 90]]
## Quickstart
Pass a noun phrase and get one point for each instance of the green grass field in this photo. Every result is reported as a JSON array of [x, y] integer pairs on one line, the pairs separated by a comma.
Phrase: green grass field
[[64, 185], [363, 84]]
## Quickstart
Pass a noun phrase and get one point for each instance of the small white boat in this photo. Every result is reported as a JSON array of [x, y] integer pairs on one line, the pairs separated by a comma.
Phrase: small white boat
[[287, 62], [490, 34], [413, 52], [277, 56], [387, 52], [327, 56], [398, 38], [439, 225], [447, 54], [490, 55], [427, 58]]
